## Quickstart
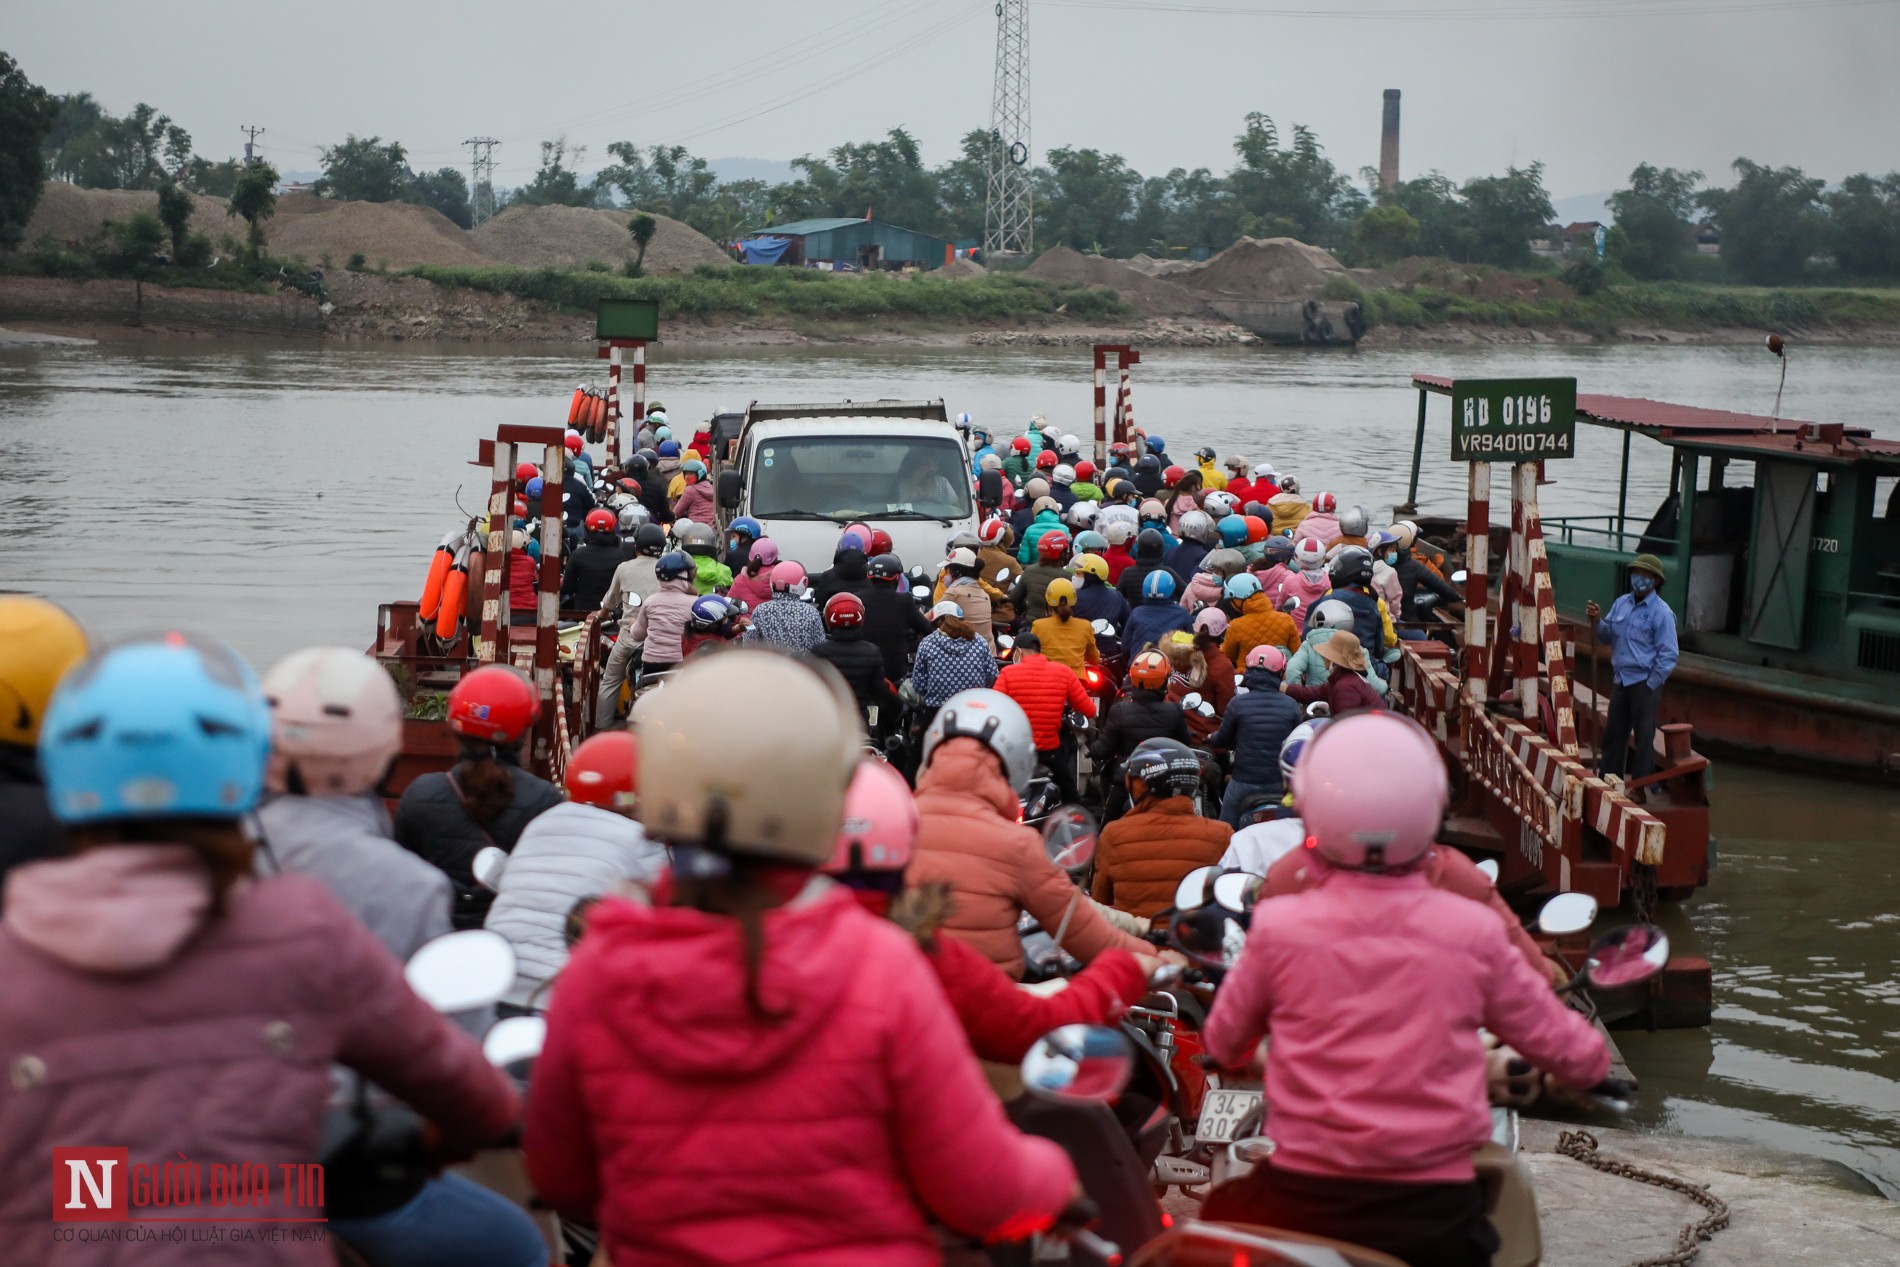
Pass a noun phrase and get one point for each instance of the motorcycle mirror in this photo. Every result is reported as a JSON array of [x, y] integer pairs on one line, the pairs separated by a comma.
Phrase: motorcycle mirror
[[632, 600], [1078, 1064], [1191, 701], [1567, 913], [1490, 868], [1102, 628], [459, 972], [1237, 891], [1006, 642], [920, 592], [1210, 936], [1002, 576], [1627, 956], [514, 1040], [1319, 708], [1068, 837], [1195, 888], [1240, 679], [487, 867], [1459, 577], [1290, 605]]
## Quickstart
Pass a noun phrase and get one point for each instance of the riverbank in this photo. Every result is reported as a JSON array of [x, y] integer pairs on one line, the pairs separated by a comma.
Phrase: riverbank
[[784, 307]]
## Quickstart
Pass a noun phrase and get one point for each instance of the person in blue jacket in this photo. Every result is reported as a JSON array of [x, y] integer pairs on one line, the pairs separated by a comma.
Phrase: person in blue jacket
[[1641, 631]]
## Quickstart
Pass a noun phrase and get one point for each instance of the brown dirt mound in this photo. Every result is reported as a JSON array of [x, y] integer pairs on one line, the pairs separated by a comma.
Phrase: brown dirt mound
[[395, 234], [67, 213], [569, 237], [957, 270], [1150, 296], [1267, 268]]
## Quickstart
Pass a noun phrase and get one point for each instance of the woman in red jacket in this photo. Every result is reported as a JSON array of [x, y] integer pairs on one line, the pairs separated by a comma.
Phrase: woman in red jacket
[[755, 1069]]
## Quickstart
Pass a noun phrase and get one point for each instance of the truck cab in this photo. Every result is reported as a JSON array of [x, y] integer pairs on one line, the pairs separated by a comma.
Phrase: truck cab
[[805, 470]]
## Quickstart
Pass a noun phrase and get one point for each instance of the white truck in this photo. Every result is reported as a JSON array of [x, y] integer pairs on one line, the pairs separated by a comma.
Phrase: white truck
[[804, 471]]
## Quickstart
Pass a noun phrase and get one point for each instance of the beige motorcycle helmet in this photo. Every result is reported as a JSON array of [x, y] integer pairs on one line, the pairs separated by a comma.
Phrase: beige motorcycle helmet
[[748, 752]]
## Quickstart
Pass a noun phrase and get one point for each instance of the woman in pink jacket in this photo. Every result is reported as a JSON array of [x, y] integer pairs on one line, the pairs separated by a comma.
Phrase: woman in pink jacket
[[660, 626], [1371, 987], [755, 1069], [162, 1001]]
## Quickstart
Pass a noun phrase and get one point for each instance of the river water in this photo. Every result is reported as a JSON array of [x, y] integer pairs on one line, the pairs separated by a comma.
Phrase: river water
[[275, 495]]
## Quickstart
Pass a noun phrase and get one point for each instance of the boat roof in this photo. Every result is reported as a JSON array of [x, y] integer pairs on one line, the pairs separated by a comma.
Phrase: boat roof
[[1691, 425]]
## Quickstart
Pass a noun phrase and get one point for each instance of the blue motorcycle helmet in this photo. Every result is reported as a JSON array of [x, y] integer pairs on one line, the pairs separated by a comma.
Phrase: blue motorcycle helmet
[[669, 448], [748, 525], [533, 490], [1157, 445], [1233, 531], [1241, 586], [169, 726], [674, 565], [1157, 584]]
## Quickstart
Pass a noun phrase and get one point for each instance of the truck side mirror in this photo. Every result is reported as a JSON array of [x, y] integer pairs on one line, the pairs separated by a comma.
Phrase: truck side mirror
[[728, 490]]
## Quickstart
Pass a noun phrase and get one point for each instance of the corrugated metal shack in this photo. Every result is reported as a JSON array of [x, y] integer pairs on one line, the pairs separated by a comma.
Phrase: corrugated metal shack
[[861, 244]]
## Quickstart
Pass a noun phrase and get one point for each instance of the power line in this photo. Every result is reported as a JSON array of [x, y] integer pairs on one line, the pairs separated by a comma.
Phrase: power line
[[1510, 11], [1009, 223], [250, 143], [481, 188]]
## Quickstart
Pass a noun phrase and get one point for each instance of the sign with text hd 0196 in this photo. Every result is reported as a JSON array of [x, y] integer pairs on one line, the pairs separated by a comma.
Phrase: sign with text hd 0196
[[1513, 419]]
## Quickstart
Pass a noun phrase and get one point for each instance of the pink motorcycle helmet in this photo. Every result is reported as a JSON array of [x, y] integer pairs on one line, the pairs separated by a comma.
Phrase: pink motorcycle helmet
[[764, 552], [787, 577], [336, 722], [1211, 621], [1267, 656], [879, 831], [1371, 790]]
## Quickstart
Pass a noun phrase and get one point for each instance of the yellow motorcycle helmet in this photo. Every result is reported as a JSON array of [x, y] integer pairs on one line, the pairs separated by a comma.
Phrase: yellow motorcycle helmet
[[39, 643]]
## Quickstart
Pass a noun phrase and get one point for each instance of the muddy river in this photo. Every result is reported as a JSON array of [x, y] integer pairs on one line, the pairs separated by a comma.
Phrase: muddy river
[[274, 496]]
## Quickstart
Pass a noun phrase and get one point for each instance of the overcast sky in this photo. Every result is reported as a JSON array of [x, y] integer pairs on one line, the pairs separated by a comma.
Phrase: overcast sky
[[1163, 82]]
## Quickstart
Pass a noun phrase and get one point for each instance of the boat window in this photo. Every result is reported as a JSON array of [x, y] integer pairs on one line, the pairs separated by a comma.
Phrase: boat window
[[853, 477], [1887, 497]]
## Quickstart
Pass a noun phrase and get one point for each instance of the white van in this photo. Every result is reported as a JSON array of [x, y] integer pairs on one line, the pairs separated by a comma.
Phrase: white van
[[804, 471]]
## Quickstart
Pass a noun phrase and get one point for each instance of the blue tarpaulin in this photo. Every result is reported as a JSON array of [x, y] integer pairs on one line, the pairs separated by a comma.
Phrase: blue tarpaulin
[[765, 250]]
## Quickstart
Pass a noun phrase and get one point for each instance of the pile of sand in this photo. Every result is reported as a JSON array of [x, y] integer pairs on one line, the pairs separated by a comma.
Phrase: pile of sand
[[570, 237], [1161, 268], [1266, 268], [1150, 296], [387, 234], [71, 215], [958, 270]]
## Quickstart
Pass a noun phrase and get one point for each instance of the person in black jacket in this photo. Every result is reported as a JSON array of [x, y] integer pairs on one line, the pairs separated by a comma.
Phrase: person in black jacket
[[586, 574], [893, 622], [652, 488], [1256, 723], [1149, 547], [39, 644], [1148, 475], [1144, 713], [576, 499], [856, 659], [446, 819], [846, 575], [1352, 585], [1414, 576]]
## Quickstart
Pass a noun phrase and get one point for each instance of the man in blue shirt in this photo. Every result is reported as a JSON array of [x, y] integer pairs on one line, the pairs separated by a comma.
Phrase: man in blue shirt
[[1641, 631]]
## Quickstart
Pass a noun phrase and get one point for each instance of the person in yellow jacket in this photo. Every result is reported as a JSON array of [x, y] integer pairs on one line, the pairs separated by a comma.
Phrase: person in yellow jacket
[[1211, 477], [1066, 637], [678, 485]]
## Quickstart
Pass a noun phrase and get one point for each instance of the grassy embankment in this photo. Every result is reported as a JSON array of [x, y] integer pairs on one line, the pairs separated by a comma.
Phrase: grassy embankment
[[795, 293]]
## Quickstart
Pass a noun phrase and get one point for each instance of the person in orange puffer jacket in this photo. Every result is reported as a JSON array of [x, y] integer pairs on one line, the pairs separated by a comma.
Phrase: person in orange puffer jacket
[[1144, 854], [1259, 623], [972, 838]]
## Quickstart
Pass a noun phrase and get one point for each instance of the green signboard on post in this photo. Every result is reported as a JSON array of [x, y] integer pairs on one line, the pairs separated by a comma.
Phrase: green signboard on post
[[627, 319], [1513, 419]]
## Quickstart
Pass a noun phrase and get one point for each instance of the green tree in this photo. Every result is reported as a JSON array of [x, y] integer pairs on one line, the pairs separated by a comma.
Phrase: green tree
[[76, 115], [135, 244], [1085, 199], [555, 182], [963, 188], [1385, 234], [642, 228], [174, 212], [1295, 187], [203, 176], [363, 169], [1865, 223], [1444, 221], [734, 208], [886, 178], [1202, 210], [445, 189], [27, 113], [1506, 212], [1654, 215], [1771, 222], [255, 198], [667, 179], [139, 151]]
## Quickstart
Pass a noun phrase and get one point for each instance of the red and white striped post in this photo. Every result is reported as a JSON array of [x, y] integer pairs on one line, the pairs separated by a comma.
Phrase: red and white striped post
[[547, 606], [639, 383], [1124, 407], [613, 405], [495, 552], [1101, 404], [613, 352], [1527, 623], [1477, 593]]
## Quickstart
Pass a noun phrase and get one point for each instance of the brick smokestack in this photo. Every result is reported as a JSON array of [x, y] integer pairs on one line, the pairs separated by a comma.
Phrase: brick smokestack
[[1389, 142]]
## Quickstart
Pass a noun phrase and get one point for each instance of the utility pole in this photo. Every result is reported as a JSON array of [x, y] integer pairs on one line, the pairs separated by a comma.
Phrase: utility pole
[[481, 191], [250, 144], [1008, 216]]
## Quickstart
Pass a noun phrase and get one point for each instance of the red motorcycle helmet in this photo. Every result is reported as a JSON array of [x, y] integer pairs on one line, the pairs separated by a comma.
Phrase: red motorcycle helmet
[[1257, 529], [1173, 475], [605, 771], [600, 519], [844, 611], [881, 543], [1047, 460], [1053, 547], [1085, 471], [1149, 671], [494, 704], [573, 442], [1020, 444], [521, 509], [526, 471]]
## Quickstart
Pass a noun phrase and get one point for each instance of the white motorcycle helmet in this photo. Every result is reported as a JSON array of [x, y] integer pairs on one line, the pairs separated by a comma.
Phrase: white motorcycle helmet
[[1219, 504], [990, 717], [633, 518], [1332, 614], [1353, 521], [1197, 526], [1082, 515]]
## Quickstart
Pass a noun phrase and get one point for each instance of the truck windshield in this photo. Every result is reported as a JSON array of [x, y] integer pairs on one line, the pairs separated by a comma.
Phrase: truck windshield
[[860, 477]]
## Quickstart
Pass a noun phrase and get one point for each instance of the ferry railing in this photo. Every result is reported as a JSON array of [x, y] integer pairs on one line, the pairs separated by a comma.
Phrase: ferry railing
[[1569, 527]]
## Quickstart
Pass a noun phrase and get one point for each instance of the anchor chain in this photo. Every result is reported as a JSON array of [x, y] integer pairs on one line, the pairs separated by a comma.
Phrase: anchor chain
[[1582, 1146], [1643, 893]]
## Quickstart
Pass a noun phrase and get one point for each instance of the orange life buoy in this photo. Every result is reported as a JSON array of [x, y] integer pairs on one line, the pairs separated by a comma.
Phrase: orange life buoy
[[454, 595], [600, 412], [574, 406], [438, 573]]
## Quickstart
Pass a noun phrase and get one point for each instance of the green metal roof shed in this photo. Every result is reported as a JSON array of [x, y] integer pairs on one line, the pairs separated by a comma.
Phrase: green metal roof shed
[[865, 243]]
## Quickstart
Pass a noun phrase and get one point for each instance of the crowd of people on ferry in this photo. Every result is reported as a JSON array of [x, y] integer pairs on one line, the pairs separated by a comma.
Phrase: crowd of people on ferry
[[780, 956]]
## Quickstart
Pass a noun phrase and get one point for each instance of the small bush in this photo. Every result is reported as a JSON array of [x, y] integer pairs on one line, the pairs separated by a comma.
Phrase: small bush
[[196, 253], [357, 261], [597, 266]]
